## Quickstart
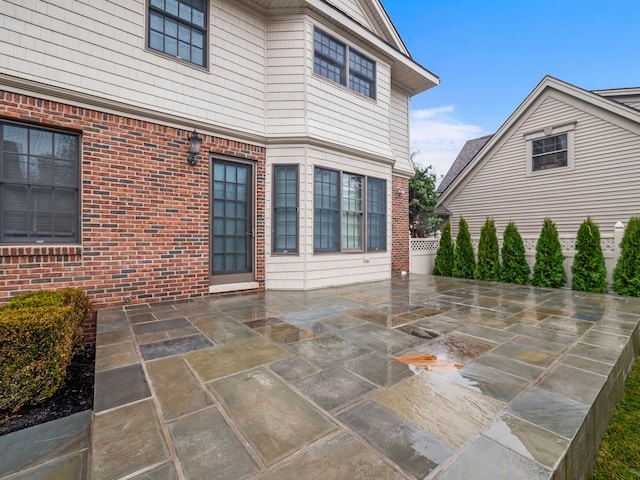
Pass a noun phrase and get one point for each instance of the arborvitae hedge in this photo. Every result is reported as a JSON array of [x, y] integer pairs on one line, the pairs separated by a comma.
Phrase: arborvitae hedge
[[488, 267], [548, 270], [515, 268], [588, 268], [443, 264], [626, 275], [464, 263]]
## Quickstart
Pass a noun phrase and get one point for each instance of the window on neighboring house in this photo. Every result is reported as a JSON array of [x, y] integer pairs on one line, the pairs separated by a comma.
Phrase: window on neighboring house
[[330, 61], [39, 185], [285, 209], [550, 148], [345, 207], [179, 28], [549, 152]]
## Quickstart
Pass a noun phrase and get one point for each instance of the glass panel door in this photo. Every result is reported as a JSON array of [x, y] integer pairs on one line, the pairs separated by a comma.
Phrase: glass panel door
[[231, 222]]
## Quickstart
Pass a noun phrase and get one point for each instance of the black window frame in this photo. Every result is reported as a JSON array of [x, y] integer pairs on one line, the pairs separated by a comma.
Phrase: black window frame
[[343, 64], [154, 8], [329, 211], [279, 210], [35, 190]]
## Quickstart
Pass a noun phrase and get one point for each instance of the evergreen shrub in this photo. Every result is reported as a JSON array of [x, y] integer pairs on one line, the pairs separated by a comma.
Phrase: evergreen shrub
[[589, 273], [443, 263], [515, 268], [39, 334], [488, 267], [548, 270], [626, 275], [464, 263]]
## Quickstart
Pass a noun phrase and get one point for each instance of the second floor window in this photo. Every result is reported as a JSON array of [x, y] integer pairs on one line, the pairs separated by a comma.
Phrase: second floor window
[[344, 65], [549, 152], [179, 28]]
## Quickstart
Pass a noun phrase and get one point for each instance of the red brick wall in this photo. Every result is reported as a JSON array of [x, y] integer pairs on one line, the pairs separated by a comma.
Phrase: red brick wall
[[145, 211], [400, 225]]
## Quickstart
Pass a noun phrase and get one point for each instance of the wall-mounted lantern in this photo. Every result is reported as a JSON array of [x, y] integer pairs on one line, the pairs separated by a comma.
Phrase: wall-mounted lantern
[[194, 147]]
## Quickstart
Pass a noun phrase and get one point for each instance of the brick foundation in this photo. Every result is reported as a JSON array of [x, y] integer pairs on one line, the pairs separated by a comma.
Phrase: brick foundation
[[400, 225], [145, 211]]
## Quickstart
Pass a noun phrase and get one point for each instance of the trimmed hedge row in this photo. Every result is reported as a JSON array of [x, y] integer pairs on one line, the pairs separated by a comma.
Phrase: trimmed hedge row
[[39, 334]]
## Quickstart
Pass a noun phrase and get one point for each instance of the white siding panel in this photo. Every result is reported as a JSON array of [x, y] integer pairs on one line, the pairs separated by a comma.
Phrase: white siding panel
[[286, 78], [603, 183], [99, 48], [399, 129]]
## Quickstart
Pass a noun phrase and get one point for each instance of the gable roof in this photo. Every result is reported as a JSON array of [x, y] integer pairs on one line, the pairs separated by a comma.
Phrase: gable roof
[[616, 112], [469, 150]]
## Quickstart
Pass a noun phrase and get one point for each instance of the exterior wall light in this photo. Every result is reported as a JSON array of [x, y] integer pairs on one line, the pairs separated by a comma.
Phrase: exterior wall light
[[400, 191], [194, 147]]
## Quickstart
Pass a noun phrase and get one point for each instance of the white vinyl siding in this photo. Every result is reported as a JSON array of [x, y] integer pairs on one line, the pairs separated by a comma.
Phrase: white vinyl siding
[[399, 130], [602, 184], [71, 45]]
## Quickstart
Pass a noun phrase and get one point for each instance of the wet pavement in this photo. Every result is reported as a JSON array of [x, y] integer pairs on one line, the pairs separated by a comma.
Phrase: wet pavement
[[513, 382]]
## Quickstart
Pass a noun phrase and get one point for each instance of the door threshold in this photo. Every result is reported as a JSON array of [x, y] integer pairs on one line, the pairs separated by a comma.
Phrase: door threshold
[[233, 287]]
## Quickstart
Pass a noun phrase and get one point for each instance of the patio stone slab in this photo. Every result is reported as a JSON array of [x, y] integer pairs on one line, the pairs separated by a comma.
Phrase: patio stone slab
[[379, 369], [343, 321], [177, 390], [120, 432], [119, 386], [283, 333], [283, 422], [381, 339], [487, 460], [528, 440], [111, 337], [404, 443], [489, 381], [333, 389], [328, 350], [73, 467], [456, 347], [342, 457], [548, 410], [292, 368], [208, 448], [213, 363], [45, 443], [174, 346], [448, 412], [161, 326], [574, 383], [510, 366], [115, 355], [222, 329], [525, 353]]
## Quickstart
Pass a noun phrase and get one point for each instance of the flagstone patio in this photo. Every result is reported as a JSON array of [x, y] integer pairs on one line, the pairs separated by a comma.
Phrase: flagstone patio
[[522, 383]]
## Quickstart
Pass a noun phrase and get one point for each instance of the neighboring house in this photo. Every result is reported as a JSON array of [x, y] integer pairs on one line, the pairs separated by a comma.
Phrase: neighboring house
[[565, 153], [302, 107]]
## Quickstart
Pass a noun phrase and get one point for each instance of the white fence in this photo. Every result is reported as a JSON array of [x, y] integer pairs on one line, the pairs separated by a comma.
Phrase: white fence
[[423, 251]]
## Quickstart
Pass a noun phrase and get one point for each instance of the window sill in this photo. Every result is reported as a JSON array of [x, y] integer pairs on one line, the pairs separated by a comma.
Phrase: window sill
[[8, 251]]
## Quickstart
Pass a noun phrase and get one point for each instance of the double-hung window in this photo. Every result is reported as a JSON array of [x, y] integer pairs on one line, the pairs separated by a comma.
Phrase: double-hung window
[[344, 65], [179, 28], [551, 148], [285, 209], [350, 212], [39, 185]]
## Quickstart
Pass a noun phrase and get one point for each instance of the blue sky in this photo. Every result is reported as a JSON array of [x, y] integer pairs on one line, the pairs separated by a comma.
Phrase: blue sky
[[490, 54]]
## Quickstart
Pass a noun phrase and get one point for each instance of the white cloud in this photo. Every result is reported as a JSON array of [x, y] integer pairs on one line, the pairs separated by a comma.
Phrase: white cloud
[[438, 136]]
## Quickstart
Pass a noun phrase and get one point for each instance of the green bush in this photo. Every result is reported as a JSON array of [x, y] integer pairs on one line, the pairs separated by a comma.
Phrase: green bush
[[626, 275], [39, 334], [588, 268], [464, 262], [488, 267], [515, 268], [548, 270], [443, 264]]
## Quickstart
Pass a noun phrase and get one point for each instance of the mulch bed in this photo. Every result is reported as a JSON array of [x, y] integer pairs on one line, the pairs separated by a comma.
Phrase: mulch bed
[[76, 395]]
